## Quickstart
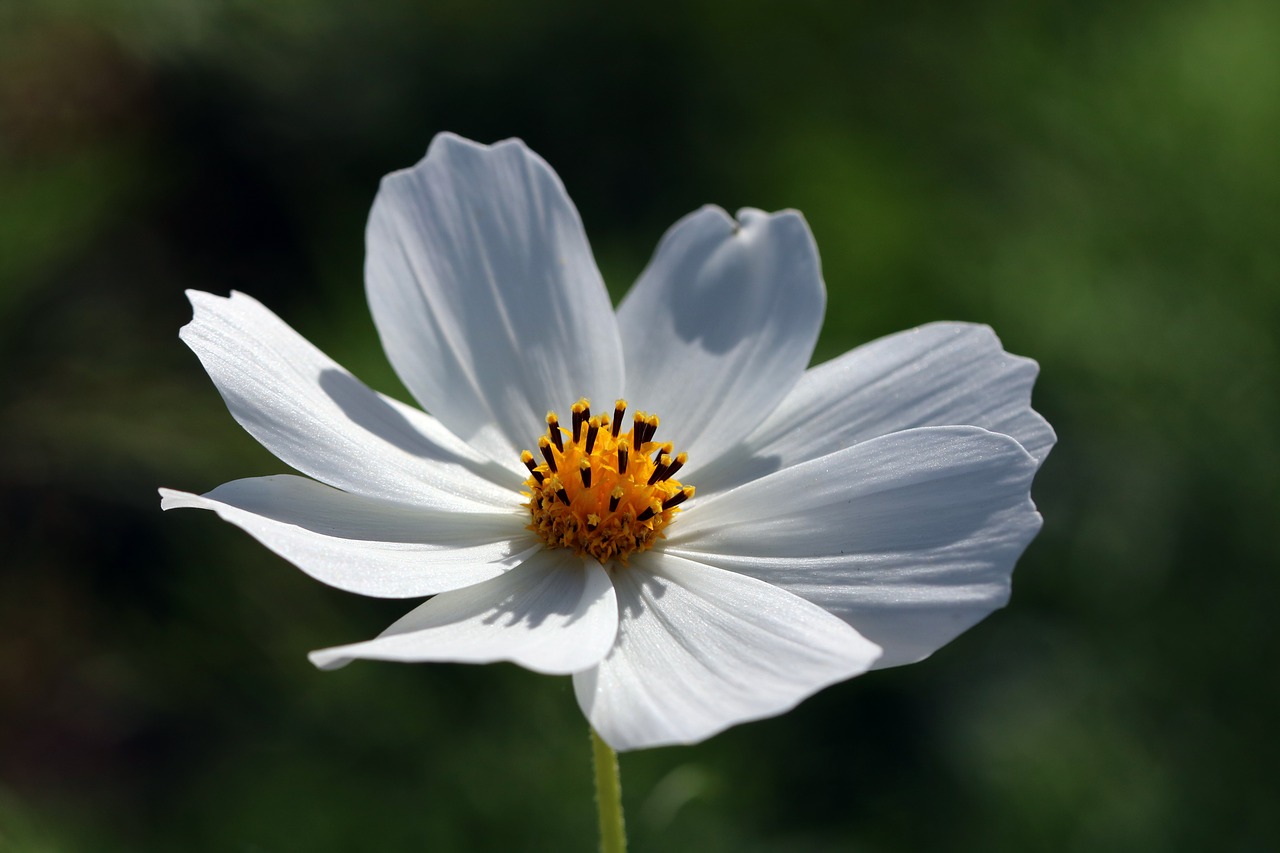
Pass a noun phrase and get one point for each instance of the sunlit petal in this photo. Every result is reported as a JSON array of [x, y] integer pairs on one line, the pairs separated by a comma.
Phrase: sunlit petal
[[321, 420], [555, 614], [910, 537], [365, 545], [721, 324], [486, 295], [700, 649]]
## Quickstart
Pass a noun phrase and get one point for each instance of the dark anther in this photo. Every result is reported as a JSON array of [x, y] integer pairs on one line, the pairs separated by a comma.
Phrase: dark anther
[[593, 427], [651, 428], [676, 466], [562, 495], [614, 497], [527, 459], [581, 414], [619, 408], [678, 498], [584, 468], [622, 459], [553, 429], [660, 470], [544, 444]]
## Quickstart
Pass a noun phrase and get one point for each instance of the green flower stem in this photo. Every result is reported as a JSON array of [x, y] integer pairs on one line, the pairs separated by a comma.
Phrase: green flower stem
[[613, 835]]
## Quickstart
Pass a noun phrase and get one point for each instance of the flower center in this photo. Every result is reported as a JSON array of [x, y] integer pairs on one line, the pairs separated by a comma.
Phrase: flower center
[[602, 491]]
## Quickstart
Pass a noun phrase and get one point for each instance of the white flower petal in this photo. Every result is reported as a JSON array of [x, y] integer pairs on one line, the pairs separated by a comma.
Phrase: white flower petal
[[910, 537], [701, 649], [365, 545], [321, 420], [941, 374], [486, 295], [555, 614], [721, 325]]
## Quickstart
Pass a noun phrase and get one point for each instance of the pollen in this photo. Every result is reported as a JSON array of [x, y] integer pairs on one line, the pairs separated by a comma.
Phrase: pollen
[[600, 490]]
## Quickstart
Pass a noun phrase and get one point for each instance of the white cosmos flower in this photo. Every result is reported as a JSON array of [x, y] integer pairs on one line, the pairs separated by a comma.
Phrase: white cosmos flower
[[855, 515]]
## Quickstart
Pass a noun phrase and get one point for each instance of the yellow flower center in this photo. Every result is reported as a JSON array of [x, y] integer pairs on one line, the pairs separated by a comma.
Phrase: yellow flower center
[[602, 491]]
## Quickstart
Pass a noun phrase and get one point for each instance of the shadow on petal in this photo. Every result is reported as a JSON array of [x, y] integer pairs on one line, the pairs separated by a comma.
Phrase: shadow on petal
[[370, 411], [736, 466]]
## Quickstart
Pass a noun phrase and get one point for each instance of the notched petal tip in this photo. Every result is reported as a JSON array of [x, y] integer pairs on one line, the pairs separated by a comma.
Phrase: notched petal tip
[[448, 139], [204, 305], [201, 301], [756, 217], [174, 499], [745, 221], [448, 146], [204, 299]]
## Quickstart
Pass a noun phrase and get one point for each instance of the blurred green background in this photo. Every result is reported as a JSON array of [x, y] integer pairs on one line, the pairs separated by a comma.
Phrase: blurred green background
[[1100, 182]]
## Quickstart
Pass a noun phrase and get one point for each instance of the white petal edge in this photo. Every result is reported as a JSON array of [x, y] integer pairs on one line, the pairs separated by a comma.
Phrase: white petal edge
[[318, 418], [486, 295], [700, 650], [721, 325], [555, 614], [911, 537], [365, 545], [940, 374]]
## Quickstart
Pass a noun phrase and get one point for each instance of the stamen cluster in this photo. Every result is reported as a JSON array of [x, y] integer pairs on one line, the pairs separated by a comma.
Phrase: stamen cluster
[[602, 491]]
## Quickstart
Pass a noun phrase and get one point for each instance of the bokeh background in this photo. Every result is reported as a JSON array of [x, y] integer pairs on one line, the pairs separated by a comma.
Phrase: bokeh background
[[1098, 181]]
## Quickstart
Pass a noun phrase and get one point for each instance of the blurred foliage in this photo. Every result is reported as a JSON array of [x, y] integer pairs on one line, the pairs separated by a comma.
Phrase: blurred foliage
[[1097, 181]]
